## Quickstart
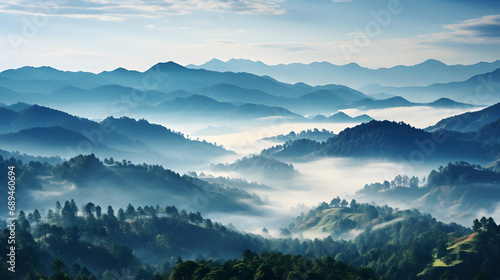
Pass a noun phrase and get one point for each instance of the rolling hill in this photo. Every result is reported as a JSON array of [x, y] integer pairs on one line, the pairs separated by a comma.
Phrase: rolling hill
[[120, 138], [470, 121], [385, 139]]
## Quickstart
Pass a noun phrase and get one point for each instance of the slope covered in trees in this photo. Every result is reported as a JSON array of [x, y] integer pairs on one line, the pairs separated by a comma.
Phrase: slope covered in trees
[[386, 139]]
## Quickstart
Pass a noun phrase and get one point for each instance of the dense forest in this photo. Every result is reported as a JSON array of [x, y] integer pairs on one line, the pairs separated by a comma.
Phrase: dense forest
[[148, 242], [453, 192], [336, 240]]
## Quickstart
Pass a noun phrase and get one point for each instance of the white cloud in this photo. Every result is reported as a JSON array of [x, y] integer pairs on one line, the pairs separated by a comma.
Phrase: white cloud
[[119, 10], [481, 30]]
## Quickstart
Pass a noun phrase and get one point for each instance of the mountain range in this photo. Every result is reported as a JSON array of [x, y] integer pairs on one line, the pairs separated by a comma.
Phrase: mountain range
[[385, 139], [470, 121], [52, 132], [318, 73], [169, 88], [478, 89]]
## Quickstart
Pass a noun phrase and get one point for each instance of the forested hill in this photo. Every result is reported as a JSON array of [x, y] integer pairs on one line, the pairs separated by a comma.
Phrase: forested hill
[[454, 192], [147, 242], [114, 181], [386, 139]]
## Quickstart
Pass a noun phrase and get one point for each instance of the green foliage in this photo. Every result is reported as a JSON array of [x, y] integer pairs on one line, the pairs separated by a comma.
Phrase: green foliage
[[270, 266], [461, 173]]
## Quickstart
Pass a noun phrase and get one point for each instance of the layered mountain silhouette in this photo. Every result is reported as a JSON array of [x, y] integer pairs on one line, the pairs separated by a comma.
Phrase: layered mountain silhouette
[[398, 101], [119, 138], [342, 117], [165, 140], [385, 139], [165, 87], [470, 121], [428, 72], [479, 89]]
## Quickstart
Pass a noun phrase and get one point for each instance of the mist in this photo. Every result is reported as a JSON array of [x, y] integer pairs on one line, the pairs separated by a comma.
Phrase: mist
[[418, 116]]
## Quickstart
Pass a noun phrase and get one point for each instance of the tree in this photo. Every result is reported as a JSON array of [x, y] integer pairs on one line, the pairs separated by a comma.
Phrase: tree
[[58, 207], [172, 211], [264, 272], [32, 275], [490, 224], [354, 205], [67, 212], [184, 215], [335, 202], [476, 225], [140, 212], [75, 269], [50, 215], [23, 222], [98, 211], [441, 250], [484, 222], [121, 215], [344, 203], [130, 212], [414, 182], [111, 212], [89, 209], [195, 218], [31, 219], [58, 266], [209, 224], [74, 207], [184, 270], [36, 216]]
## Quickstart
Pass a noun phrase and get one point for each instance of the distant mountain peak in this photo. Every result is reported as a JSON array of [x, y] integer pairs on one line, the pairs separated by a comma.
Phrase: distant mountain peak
[[341, 114], [120, 70], [433, 62], [352, 65], [397, 98], [214, 60], [167, 66]]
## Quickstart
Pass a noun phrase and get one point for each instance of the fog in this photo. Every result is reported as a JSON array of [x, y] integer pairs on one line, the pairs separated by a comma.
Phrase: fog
[[419, 116], [317, 181]]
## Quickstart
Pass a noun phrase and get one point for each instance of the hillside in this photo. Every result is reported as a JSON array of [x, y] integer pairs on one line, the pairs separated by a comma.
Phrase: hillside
[[455, 192], [470, 121], [259, 168], [385, 139], [165, 140], [119, 138], [314, 134], [84, 176], [199, 106]]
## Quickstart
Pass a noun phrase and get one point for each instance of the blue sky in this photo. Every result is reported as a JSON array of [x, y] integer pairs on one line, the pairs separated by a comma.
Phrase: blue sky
[[102, 35]]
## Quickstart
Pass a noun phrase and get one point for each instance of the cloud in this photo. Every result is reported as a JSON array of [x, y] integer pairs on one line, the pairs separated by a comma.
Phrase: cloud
[[487, 26], [481, 30], [119, 10]]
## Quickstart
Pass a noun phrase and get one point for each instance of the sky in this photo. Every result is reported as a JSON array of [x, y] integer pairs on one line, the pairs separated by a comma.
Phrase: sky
[[99, 35]]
